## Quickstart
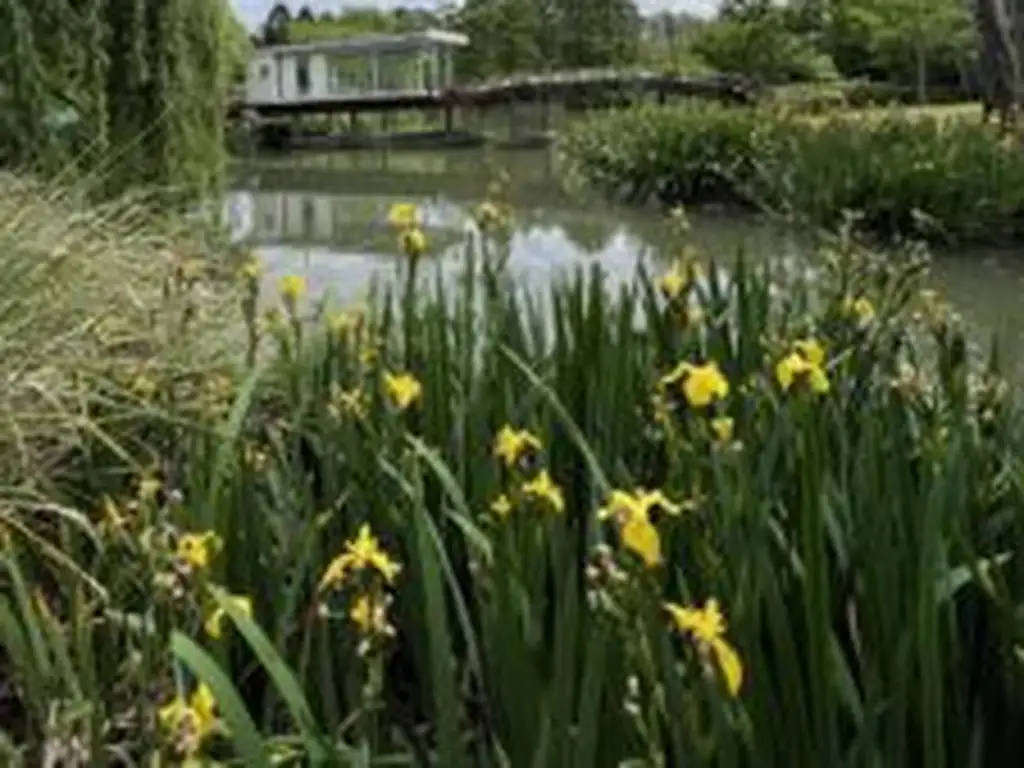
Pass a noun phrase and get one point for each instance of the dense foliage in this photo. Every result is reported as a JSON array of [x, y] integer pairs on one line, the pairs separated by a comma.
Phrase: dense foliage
[[922, 45], [900, 174], [925, 47], [740, 517], [506, 36], [113, 86], [763, 47]]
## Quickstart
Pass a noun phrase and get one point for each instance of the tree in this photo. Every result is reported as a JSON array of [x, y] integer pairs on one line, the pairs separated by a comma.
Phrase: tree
[[504, 37], [809, 17], [914, 34], [1000, 64], [598, 33], [276, 27], [529, 35], [122, 80], [917, 42], [759, 44], [745, 10]]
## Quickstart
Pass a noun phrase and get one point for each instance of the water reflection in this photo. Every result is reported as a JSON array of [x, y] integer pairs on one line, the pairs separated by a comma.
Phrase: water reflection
[[325, 217], [342, 241], [344, 222]]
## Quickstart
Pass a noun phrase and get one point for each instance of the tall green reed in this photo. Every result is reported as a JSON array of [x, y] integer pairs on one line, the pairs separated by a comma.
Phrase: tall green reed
[[861, 542]]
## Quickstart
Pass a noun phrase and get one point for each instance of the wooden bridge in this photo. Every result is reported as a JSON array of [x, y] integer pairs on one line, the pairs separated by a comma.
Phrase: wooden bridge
[[387, 74], [599, 84]]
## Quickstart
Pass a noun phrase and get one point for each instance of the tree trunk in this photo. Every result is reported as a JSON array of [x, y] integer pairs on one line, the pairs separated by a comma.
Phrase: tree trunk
[[922, 74]]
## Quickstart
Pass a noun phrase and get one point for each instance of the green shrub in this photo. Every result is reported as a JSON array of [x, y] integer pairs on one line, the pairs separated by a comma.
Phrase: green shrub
[[832, 470], [921, 177]]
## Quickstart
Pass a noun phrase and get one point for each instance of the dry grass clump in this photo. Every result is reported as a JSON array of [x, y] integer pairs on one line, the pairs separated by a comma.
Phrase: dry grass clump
[[94, 295]]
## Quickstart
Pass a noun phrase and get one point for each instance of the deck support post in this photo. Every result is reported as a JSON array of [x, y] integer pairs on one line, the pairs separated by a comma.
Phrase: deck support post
[[513, 124], [449, 117], [375, 71]]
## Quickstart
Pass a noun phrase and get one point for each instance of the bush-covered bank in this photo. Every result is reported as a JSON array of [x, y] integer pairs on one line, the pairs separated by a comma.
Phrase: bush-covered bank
[[940, 180], [774, 523]]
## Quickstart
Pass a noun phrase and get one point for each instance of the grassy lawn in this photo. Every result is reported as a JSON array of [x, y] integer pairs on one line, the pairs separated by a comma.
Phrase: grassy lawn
[[966, 110], [963, 111]]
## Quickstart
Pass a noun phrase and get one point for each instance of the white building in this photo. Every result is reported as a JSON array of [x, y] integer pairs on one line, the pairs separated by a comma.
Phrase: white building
[[352, 67]]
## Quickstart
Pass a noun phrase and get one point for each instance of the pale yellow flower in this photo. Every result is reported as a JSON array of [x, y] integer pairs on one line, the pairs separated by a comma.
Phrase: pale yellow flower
[[404, 389], [404, 216], [632, 512], [292, 288], [144, 386], [198, 549], [860, 309], [804, 364], [361, 553], [723, 428], [413, 242], [488, 215], [811, 350], [191, 721], [706, 626], [149, 487], [113, 519], [369, 614], [511, 445], [702, 385], [501, 506], [352, 402], [674, 282], [542, 488], [214, 622], [343, 323], [252, 270]]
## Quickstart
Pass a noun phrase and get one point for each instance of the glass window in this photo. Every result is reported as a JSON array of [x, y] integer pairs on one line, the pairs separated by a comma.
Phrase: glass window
[[302, 74]]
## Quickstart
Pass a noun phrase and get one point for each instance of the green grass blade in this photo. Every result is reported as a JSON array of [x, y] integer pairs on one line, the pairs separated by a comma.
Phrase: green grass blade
[[575, 433], [462, 516], [439, 641], [588, 736], [283, 678], [242, 729], [227, 447]]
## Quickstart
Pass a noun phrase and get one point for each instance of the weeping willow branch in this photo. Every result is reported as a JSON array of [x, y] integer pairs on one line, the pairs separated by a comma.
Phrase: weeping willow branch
[[144, 83]]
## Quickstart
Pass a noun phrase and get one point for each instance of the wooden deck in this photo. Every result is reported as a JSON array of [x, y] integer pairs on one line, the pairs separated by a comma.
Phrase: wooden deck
[[558, 86]]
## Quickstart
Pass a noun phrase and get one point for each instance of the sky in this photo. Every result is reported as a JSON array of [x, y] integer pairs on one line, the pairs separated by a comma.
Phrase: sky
[[253, 12]]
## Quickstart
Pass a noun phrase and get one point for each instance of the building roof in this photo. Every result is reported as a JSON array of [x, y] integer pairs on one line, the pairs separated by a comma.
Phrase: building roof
[[365, 43]]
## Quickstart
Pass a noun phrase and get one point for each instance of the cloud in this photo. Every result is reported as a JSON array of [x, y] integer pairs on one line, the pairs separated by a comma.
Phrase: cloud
[[253, 12]]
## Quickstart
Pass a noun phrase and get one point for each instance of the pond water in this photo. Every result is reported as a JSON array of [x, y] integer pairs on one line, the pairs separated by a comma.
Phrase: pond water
[[323, 216]]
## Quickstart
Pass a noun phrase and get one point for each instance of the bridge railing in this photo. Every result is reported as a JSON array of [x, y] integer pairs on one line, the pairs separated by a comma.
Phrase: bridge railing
[[598, 74], [611, 77]]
